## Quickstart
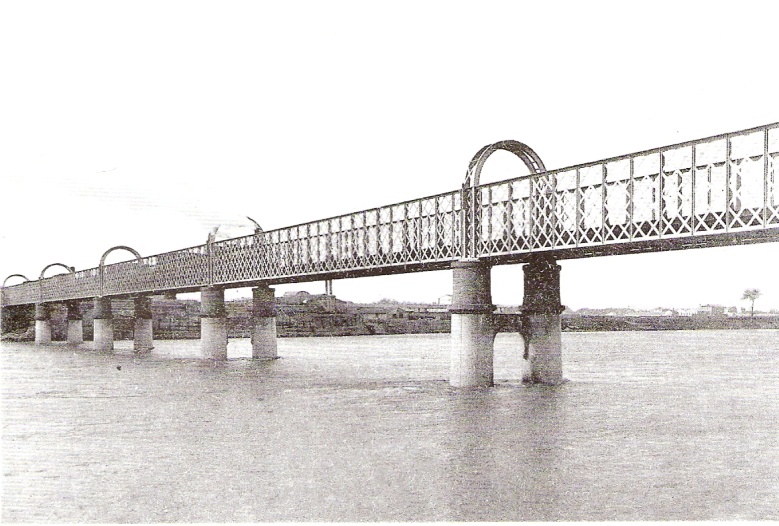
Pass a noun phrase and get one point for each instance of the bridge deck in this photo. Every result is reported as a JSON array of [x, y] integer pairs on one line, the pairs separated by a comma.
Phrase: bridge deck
[[716, 191]]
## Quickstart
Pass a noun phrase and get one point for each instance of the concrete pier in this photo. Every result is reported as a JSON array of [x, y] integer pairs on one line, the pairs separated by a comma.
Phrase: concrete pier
[[473, 329], [75, 324], [541, 311], [264, 323], [42, 324], [213, 323], [143, 338], [103, 325]]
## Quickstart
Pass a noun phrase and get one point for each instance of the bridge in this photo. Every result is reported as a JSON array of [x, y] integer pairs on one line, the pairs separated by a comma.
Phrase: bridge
[[716, 191]]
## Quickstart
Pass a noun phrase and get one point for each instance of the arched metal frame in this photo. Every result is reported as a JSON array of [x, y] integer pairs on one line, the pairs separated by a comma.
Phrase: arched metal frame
[[2, 288], [472, 179], [15, 276], [525, 153], [105, 255], [72, 270]]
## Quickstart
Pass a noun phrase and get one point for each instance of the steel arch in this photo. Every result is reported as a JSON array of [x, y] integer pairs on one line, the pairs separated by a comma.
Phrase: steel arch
[[72, 270], [134, 252], [525, 153], [470, 200], [14, 276]]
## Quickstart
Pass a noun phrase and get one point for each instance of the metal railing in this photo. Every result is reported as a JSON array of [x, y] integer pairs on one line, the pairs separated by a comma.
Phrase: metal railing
[[718, 185]]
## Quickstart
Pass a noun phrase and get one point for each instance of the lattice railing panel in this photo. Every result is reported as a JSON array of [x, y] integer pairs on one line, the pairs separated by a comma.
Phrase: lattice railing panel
[[494, 219], [235, 259], [746, 188], [645, 214], [520, 215], [566, 209], [542, 217], [617, 225], [591, 196], [69, 285], [124, 277], [710, 186], [676, 182], [181, 268], [411, 232], [21, 294]]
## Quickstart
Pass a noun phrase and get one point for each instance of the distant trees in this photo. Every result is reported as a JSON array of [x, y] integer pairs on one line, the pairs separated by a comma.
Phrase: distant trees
[[751, 295]]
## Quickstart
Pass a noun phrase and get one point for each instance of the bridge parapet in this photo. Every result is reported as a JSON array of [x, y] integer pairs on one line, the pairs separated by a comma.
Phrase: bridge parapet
[[420, 231], [21, 294]]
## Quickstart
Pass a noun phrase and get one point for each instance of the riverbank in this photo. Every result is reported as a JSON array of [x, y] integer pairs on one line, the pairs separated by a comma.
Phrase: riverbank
[[186, 325]]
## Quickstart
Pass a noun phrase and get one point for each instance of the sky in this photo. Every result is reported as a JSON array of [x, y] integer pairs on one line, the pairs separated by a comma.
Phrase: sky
[[148, 124]]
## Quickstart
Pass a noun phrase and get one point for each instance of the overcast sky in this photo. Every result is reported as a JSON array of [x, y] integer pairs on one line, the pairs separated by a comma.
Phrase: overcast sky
[[149, 123]]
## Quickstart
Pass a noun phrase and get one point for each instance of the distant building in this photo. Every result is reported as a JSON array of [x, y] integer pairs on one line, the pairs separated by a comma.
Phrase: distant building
[[711, 310], [653, 312]]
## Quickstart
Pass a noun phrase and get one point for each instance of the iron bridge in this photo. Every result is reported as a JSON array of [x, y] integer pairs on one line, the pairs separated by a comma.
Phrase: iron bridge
[[721, 190]]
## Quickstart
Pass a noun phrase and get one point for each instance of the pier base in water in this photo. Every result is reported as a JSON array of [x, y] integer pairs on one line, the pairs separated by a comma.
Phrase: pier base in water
[[213, 324], [541, 330], [75, 332], [143, 338], [75, 324], [42, 324], [473, 329], [42, 332], [473, 336], [264, 323], [103, 325]]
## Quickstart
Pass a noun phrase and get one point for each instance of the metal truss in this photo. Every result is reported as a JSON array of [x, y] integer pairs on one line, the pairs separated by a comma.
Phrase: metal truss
[[721, 188]]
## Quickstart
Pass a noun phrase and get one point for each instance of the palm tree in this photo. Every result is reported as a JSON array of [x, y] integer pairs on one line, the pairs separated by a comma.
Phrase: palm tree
[[752, 295]]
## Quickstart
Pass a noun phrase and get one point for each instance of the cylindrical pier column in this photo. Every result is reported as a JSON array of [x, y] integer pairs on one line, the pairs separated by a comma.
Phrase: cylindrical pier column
[[264, 323], [75, 323], [213, 323], [143, 338], [42, 324], [103, 327], [541, 311], [473, 329]]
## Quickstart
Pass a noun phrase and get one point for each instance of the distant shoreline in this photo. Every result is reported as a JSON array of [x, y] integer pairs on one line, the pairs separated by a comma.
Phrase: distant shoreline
[[666, 323], [442, 326]]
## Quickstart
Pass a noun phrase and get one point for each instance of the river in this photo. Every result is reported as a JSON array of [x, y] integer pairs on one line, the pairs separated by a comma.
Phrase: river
[[680, 425]]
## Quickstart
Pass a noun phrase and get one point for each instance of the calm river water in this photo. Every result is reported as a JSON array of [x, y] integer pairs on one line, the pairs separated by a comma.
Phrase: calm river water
[[652, 425]]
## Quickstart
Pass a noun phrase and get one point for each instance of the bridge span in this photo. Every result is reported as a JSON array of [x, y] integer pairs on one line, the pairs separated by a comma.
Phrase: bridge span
[[721, 190]]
